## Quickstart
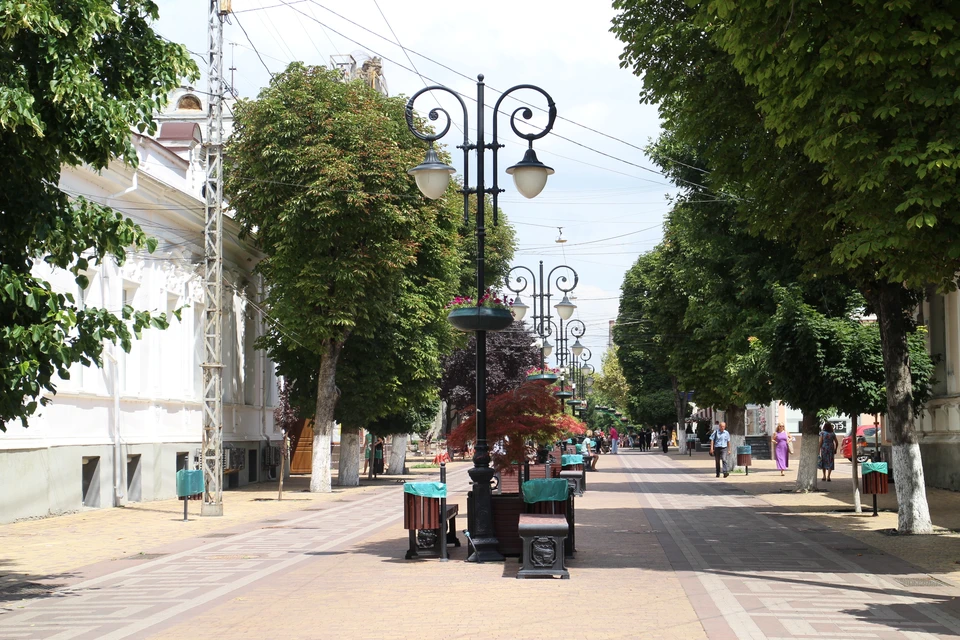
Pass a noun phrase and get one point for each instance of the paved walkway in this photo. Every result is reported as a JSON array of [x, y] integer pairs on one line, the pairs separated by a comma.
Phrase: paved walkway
[[753, 570], [665, 551]]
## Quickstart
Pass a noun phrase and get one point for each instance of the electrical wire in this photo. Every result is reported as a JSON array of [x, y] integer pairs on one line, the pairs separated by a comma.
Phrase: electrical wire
[[247, 36]]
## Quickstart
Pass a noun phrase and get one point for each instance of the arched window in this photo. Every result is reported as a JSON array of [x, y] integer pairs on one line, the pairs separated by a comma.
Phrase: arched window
[[189, 103]]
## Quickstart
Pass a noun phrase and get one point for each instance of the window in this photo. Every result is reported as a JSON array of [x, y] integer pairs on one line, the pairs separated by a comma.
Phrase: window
[[189, 103]]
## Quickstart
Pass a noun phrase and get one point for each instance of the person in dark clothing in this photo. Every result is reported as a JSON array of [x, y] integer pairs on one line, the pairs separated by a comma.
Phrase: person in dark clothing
[[647, 439], [664, 439]]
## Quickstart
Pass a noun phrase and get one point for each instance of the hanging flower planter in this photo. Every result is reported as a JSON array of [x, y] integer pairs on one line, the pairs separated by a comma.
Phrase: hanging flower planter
[[480, 319], [548, 377]]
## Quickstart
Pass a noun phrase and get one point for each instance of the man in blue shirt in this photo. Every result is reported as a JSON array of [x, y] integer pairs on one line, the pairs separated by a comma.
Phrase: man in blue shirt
[[719, 441]]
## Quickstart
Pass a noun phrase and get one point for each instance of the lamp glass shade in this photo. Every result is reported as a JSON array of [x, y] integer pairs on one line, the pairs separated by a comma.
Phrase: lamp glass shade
[[530, 175], [432, 176], [577, 349], [519, 309], [565, 308], [547, 348]]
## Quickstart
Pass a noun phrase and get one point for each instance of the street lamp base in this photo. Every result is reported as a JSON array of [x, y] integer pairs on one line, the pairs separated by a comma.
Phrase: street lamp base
[[485, 550]]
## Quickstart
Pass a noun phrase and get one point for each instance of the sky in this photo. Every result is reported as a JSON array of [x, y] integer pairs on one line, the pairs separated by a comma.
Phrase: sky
[[605, 195]]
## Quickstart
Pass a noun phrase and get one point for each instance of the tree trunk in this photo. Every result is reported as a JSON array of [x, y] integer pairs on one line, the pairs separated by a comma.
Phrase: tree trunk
[[680, 405], [737, 427], [398, 454], [327, 396], [809, 452], [857, 507], [348, 474], [913, 515]]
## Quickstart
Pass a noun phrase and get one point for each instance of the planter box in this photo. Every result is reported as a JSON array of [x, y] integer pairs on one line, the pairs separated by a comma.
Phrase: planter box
[[480, 319]]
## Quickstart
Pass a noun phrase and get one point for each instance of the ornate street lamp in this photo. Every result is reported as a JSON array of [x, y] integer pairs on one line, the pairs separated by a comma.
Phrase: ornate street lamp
[[567, 355], [541, 290], [433, 178]]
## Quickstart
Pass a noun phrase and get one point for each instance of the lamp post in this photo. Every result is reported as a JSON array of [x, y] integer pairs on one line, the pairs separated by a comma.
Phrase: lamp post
[[433, 177], [567, 354], [541, 290]]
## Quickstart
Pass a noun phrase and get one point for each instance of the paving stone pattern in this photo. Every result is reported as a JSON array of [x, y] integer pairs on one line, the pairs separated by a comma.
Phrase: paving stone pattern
[[752, 570], [129, 602]]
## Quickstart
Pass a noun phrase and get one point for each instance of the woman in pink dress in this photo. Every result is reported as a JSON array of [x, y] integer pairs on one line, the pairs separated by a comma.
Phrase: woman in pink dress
[[781, 448]]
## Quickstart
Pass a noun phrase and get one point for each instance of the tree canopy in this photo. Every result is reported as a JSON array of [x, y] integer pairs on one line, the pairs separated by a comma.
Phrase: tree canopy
[[318, 173]]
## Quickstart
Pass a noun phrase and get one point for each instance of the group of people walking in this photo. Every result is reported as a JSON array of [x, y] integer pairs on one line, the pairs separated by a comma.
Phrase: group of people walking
[[645, 439], [782, 443]]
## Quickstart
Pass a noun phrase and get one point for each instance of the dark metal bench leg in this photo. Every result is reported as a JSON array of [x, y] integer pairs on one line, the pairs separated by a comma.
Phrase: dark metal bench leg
[[412, 551], [452, 532]]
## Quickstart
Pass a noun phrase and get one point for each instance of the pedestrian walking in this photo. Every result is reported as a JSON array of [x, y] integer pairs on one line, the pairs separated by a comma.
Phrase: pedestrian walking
[[828, 449], [664, 439], [614, 440], [719, 441], [781, 448], [647, 439]]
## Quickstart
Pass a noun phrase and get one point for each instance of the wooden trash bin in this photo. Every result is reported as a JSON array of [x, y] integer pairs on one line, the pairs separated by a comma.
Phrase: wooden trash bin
[[745, 457], [876, 480], [429, 520]]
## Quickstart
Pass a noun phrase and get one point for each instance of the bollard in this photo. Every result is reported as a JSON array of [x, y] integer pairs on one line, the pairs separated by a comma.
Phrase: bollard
[[443, 516]]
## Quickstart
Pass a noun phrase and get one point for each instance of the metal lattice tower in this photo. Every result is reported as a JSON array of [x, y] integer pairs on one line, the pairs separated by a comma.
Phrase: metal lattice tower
[[211, 452]]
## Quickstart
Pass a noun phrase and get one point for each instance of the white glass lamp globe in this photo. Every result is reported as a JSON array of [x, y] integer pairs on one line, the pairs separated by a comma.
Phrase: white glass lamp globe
[[530, 175], [432, 176], [519, 309], [547, 348], [565, 308], [577, 348]]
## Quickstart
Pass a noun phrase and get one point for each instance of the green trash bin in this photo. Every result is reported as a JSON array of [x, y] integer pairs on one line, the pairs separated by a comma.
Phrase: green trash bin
[[189, 483]]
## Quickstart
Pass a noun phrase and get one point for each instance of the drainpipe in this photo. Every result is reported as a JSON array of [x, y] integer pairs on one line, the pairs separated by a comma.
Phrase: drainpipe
[[263, 381], [117, 452], [118, 491]]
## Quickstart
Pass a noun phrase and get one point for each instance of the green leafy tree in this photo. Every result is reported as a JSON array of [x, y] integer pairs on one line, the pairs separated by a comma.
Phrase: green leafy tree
[[863, 90], [610, 382], [318, 172], [74, 78], [816, 361], [837, 124]]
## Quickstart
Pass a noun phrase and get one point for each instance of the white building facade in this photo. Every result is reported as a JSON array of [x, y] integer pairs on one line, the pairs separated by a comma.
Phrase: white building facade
[[120, 433]]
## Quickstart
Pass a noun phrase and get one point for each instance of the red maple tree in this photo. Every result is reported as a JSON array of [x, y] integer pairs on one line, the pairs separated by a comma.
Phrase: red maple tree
[[518, 420]]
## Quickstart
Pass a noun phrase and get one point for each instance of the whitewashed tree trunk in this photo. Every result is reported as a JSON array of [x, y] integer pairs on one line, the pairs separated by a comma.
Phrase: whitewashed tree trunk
[[913, 515], [348, 474], [398, 454], [809, 452], [680, 405], [327, 396], [737, 427]]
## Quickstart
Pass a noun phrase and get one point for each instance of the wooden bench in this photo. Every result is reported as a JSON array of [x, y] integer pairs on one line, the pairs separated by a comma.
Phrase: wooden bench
[[430, 522]]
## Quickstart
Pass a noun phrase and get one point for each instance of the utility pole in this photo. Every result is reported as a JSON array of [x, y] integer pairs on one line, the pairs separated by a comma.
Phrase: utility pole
[[211, 452]]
